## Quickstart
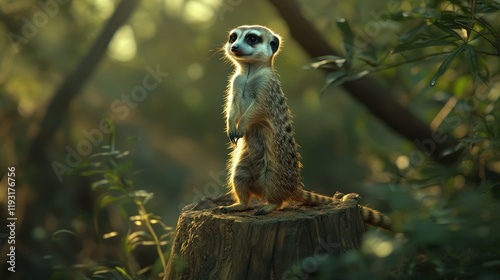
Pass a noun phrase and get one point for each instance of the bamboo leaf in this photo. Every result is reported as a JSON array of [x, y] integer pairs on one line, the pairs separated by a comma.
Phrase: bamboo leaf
[[99, 183], [326, 61], [472, 61], [446, 64], [448, 30], [123, 272], [410, 34], [104, 154], [145, 195], [348, 78], [332, 77], [348, 37], [423, 44]]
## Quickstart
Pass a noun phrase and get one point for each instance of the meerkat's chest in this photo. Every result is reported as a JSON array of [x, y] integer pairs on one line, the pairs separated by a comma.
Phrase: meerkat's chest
[[246, 87]]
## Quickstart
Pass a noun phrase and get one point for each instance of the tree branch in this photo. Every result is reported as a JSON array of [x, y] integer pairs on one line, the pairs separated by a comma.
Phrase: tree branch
[[74, 82], [45, 186], [368, 91]]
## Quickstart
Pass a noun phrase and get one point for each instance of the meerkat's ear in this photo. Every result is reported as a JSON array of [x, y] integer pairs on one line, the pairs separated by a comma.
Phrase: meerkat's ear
[[275, 44]]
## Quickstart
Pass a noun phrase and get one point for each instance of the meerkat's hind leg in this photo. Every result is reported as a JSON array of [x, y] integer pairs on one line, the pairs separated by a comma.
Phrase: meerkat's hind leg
[[236, 207], [241, 180], [241, 204], [268, 208]]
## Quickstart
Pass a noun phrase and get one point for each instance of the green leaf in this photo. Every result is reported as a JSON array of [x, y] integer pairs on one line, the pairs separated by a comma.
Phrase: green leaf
[[135, 218], [111, 153], [127, 182], [333, 76], [485, 7], [453, 20], [348, 37], [147, 199], [446, 64], [137, 236], [123, 154], [448, 30], [123, 272], [107, 199], [325, 61], [154, 217], [330, 78], [369, 55], [100, 183], [410, 34], [101, 271], [111, 176], [472, 61], [423, 43], [112, 134], [348, 78]]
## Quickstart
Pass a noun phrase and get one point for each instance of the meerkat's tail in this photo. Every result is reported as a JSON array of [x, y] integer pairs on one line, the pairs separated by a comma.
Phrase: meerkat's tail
[[375, 218], [369, 216], [311, 198]]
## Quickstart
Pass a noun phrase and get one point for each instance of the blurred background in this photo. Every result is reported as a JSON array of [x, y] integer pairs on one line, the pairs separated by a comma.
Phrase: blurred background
[[162, 81]]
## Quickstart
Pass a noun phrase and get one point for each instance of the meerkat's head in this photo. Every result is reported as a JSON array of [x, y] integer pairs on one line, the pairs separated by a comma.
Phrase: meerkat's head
[[252, 44]]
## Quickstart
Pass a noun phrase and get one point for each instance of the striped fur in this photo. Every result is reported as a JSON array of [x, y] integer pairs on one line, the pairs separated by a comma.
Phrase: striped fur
[[375, 218], [311, 198], [369, 216]]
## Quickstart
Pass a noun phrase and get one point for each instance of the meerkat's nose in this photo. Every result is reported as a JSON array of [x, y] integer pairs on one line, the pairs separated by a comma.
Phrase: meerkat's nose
[[235, 48]]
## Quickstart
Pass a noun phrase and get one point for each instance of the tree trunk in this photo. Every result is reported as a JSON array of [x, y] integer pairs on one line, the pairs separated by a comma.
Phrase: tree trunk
[[282, 245]]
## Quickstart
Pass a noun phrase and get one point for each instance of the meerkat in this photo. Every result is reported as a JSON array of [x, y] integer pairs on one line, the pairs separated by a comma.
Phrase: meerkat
[[265, 162]]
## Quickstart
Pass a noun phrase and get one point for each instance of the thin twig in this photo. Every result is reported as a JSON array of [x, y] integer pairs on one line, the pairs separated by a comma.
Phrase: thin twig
[[145, 218], [74, 82]]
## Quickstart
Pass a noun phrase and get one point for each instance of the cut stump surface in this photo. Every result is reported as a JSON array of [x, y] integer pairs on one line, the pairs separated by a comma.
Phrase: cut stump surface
[[240, 245]]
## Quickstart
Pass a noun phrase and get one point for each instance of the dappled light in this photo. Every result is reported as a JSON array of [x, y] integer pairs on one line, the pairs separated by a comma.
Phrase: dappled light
[[123, 46], [198, 12], [402, 162]]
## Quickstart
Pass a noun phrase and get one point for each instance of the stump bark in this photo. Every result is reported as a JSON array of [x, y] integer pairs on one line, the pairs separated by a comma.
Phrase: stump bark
[[291, 241]]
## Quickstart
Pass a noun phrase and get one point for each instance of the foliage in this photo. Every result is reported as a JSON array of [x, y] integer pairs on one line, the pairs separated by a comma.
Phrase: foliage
[[115, 190], [449, 29], [445, 215]]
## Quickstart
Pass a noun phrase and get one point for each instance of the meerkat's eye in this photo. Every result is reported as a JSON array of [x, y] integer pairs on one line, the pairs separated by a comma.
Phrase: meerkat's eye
[[253, 39], [232, 37]]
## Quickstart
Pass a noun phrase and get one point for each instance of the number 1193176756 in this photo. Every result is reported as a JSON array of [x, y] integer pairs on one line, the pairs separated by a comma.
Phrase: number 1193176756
[[11, 218]]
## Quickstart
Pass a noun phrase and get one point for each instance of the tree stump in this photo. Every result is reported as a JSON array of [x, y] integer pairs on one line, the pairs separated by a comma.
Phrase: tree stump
[[291, 241]]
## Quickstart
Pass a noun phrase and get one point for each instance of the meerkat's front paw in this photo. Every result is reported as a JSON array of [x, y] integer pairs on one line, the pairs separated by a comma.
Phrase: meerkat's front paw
[[234, 135]]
